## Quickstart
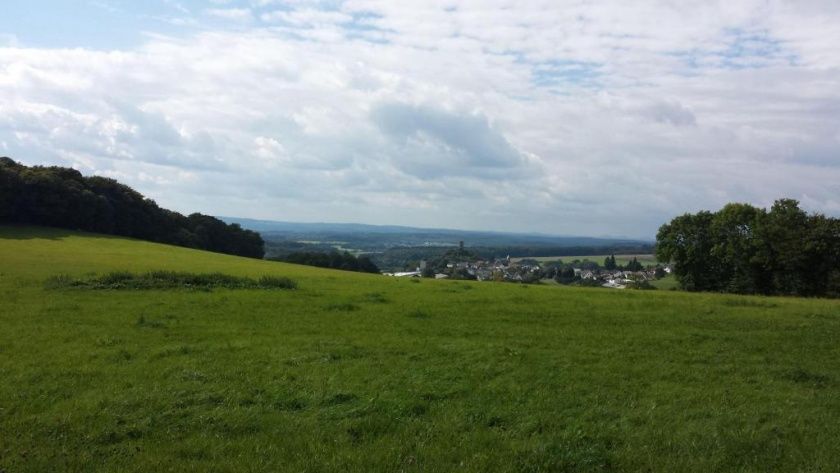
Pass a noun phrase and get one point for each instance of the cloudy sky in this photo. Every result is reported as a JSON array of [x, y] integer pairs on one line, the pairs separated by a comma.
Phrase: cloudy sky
[[564, 117]]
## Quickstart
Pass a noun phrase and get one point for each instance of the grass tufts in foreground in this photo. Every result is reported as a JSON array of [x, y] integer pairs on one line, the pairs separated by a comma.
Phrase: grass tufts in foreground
[[168, 280]]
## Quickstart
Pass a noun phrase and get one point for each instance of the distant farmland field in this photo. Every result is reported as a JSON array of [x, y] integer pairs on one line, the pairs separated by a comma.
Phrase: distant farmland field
[[356, 372]]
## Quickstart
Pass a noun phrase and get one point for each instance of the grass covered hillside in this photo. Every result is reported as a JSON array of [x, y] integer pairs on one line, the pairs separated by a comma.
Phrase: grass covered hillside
[[355, 372]]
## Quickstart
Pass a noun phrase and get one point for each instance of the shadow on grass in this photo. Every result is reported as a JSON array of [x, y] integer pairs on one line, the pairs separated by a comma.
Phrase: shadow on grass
[[807, 378], [418, 314], [376, 298], [343, 307]]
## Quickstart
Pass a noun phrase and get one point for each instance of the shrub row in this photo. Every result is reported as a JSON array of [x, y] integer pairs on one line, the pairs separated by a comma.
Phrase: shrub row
[[169, 280]]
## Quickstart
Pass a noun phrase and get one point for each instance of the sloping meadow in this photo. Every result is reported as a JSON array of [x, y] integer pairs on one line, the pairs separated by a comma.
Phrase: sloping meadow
[[118, 355]]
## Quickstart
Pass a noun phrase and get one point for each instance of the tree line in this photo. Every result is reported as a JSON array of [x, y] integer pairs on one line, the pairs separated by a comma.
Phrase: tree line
[[63, 197], [632, 265], [748, 250], [334, 260]]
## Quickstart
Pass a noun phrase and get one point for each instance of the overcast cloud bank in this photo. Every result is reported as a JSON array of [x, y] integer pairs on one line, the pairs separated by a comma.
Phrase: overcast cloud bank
[[558, 117]]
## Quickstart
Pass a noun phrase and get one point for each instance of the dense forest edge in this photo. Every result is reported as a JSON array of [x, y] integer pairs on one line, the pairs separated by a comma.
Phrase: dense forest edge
[[332, 260], [64, 198]]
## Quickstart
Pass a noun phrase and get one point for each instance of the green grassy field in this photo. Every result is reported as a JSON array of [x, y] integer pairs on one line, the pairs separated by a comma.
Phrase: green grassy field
[[621, 260], [667, 283], [354, 372]]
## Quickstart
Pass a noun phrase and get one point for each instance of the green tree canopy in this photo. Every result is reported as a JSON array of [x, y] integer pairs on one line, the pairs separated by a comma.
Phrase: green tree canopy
[[748, 250], [63, 197]]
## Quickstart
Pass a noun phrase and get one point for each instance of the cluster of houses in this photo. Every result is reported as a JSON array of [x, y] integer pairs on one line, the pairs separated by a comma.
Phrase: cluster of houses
[[512, 271]]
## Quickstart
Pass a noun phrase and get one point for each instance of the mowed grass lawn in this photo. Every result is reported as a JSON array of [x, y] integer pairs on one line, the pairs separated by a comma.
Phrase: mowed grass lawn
[[354, 372]]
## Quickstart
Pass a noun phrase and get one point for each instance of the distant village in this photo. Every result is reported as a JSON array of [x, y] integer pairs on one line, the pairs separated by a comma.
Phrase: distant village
[[460, 264]]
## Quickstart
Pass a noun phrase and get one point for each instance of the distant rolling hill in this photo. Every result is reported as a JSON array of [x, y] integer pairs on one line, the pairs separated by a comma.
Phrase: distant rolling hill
[[391, 235]]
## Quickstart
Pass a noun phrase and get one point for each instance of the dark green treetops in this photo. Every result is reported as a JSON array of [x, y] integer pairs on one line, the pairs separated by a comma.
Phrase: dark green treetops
[[748, 250]]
